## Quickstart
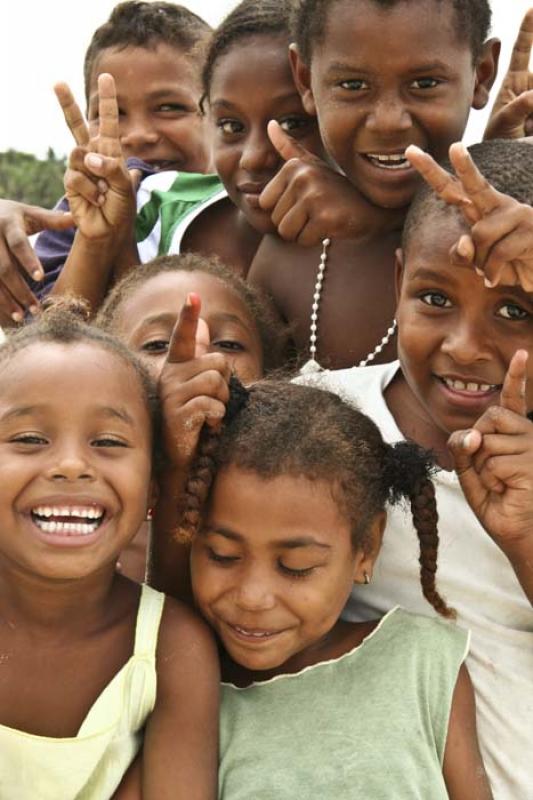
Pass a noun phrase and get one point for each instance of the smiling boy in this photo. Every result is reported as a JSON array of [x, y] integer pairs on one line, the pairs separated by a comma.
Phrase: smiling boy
[[456, 339]]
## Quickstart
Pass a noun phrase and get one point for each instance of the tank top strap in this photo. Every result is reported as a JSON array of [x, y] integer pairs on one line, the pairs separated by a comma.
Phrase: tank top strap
[[148, 620]]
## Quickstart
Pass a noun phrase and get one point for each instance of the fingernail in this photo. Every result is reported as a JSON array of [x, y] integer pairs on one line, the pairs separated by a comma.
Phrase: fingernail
[[467, 441], [102, 186], [489, 284], [37, 274], [16, 316], [34, 309], [94, 161], [101, 199], [479, 272]]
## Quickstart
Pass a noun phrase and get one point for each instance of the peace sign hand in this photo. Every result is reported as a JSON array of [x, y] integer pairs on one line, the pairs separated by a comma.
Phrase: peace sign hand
[[100, 191], [494, 462], [310, 201], [500, 242], [193, 385], [512, 114]]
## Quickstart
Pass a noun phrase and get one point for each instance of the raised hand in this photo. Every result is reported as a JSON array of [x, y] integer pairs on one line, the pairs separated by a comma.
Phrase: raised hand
[[99, 189], [500, 243], [17, 222], [310, 201], [193, 386], [512, 114], [494, 462]]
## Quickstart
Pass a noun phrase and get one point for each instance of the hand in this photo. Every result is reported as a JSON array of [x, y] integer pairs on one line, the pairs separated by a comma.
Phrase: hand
[[100, 190], [310, 201], [17, 222], [193, 386], [512, 114], [494, 462], [500, 243]]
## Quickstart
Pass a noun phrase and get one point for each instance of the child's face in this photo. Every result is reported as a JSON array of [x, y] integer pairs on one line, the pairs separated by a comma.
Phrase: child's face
[[158, 93], [147, 318], [385, 78], [251, 85], [456, 337], [75, 460], [273, 567]]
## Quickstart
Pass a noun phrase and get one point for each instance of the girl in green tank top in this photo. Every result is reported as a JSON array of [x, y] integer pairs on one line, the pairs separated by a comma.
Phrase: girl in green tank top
[[285, 508]]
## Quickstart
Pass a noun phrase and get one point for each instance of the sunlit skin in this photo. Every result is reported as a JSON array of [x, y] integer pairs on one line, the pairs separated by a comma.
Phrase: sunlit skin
[[251, 85], [158, 91], [452, 328], [70, 437], [275, 558], [146, 320], [385, 78]]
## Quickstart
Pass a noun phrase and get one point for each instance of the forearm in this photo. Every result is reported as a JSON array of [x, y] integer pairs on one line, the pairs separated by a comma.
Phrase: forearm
[[169, 569], [88, 269]]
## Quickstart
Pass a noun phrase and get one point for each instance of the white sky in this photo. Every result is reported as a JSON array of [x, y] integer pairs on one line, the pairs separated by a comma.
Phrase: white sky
[[43, 41]]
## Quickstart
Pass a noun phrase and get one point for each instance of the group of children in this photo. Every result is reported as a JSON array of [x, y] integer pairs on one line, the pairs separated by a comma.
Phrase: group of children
[[243, 204]]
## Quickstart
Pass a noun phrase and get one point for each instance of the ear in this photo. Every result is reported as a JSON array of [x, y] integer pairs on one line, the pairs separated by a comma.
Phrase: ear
[[365, 559], [301, 74], [486, 69], [398, 272]]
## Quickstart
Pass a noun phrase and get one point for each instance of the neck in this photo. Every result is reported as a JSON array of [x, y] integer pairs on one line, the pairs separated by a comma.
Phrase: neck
[[49, 604]]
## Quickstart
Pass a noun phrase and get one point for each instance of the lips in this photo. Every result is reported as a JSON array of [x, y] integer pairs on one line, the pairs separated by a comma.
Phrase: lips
[[468, 391], [66, 520], [388, 161], [253, 635]]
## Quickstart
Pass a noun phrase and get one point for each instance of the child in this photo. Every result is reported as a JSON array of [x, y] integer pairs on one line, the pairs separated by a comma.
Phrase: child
[[237, 332], [379, 77], [456, 341], [293, 518], [151, 49], [84, 668]]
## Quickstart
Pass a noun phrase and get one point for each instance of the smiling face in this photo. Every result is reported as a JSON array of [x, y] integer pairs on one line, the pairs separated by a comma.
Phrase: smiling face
[[273, 567], [75, 463], [385, 78], [252, 84], [158, 91], [456, 338], [147, 317]]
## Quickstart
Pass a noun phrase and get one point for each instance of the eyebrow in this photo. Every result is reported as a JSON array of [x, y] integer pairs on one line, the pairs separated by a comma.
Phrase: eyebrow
[[422, 273], [343, 66], [105, 411], [290, 544], [165, 317], [434, 275], [222, 103]]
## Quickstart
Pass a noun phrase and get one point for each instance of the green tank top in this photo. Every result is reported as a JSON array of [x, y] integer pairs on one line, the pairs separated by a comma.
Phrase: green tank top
[[370, 725]]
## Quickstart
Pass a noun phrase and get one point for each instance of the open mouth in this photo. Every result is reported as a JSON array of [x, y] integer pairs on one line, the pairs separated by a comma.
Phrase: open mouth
[[68, 520], [253, 634], [471, 388], [391, 161]]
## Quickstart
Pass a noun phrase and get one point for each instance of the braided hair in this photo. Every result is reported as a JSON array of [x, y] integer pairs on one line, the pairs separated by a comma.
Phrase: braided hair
[[278, 428]]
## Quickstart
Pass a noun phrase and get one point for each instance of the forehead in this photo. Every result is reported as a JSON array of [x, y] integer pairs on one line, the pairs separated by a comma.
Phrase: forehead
[[266, 56], [69, 374], [136, 68], [366, 29], [166, 293]]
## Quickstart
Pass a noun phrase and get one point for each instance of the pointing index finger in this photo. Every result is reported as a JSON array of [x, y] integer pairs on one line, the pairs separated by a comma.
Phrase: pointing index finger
[[182, 343], [513, 394], [484, 196], [71, 112], [445, 185], [109, 143]]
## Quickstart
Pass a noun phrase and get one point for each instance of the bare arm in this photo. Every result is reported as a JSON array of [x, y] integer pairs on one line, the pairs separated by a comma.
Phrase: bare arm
[[180, 755]]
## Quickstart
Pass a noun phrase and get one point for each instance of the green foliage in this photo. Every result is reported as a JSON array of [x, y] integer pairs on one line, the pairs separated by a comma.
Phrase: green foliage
[[28, 179]]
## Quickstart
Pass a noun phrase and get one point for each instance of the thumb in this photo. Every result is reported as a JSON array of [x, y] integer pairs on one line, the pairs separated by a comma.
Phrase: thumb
[[513, 116], [286, 146], [39, 219], [463, 445], [135, 175]]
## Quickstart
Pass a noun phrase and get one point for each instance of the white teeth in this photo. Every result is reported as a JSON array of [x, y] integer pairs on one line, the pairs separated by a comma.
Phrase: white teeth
[[388, 161], [82, 512], [250, 633], [461, 386], [66, 528]]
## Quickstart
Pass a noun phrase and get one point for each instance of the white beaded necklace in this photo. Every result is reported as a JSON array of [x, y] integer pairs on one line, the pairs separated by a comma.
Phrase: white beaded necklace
[[312, 364]]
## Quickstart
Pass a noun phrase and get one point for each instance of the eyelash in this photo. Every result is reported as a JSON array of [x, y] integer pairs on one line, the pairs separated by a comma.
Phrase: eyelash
[[228, 560], [31, 439], [155, 347]]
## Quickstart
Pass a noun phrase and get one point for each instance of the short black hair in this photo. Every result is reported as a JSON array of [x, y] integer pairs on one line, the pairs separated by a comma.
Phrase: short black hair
[[249, 18], [507, 164], [472, 22], [135, 23]]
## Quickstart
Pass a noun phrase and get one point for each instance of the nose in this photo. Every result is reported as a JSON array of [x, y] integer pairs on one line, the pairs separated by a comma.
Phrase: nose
[[389, 115], [137, 132], [255, 592], [258, 154], [467, 342], [69, 463]]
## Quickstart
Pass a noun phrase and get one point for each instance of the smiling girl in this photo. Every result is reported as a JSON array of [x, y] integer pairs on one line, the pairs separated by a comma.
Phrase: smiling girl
[[90, 659]]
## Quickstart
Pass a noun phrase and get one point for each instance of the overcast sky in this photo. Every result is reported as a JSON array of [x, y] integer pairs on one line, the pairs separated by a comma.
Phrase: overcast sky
[[43, 41]]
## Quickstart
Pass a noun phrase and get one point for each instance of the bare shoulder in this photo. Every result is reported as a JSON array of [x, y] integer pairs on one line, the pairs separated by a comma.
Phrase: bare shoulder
[[183, 635]]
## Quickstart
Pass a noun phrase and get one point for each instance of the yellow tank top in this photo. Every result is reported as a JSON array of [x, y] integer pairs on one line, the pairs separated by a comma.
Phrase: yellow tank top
[[90, 765]]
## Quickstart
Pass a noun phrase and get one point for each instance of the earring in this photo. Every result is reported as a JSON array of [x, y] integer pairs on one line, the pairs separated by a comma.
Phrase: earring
[[149, 514], [366, 578]]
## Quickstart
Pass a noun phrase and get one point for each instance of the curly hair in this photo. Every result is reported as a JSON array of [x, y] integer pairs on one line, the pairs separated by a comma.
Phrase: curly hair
[[472, 22], [272, 333], [507, 164], [278, 428], [135, 23], [63, 321], [249, 18]]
